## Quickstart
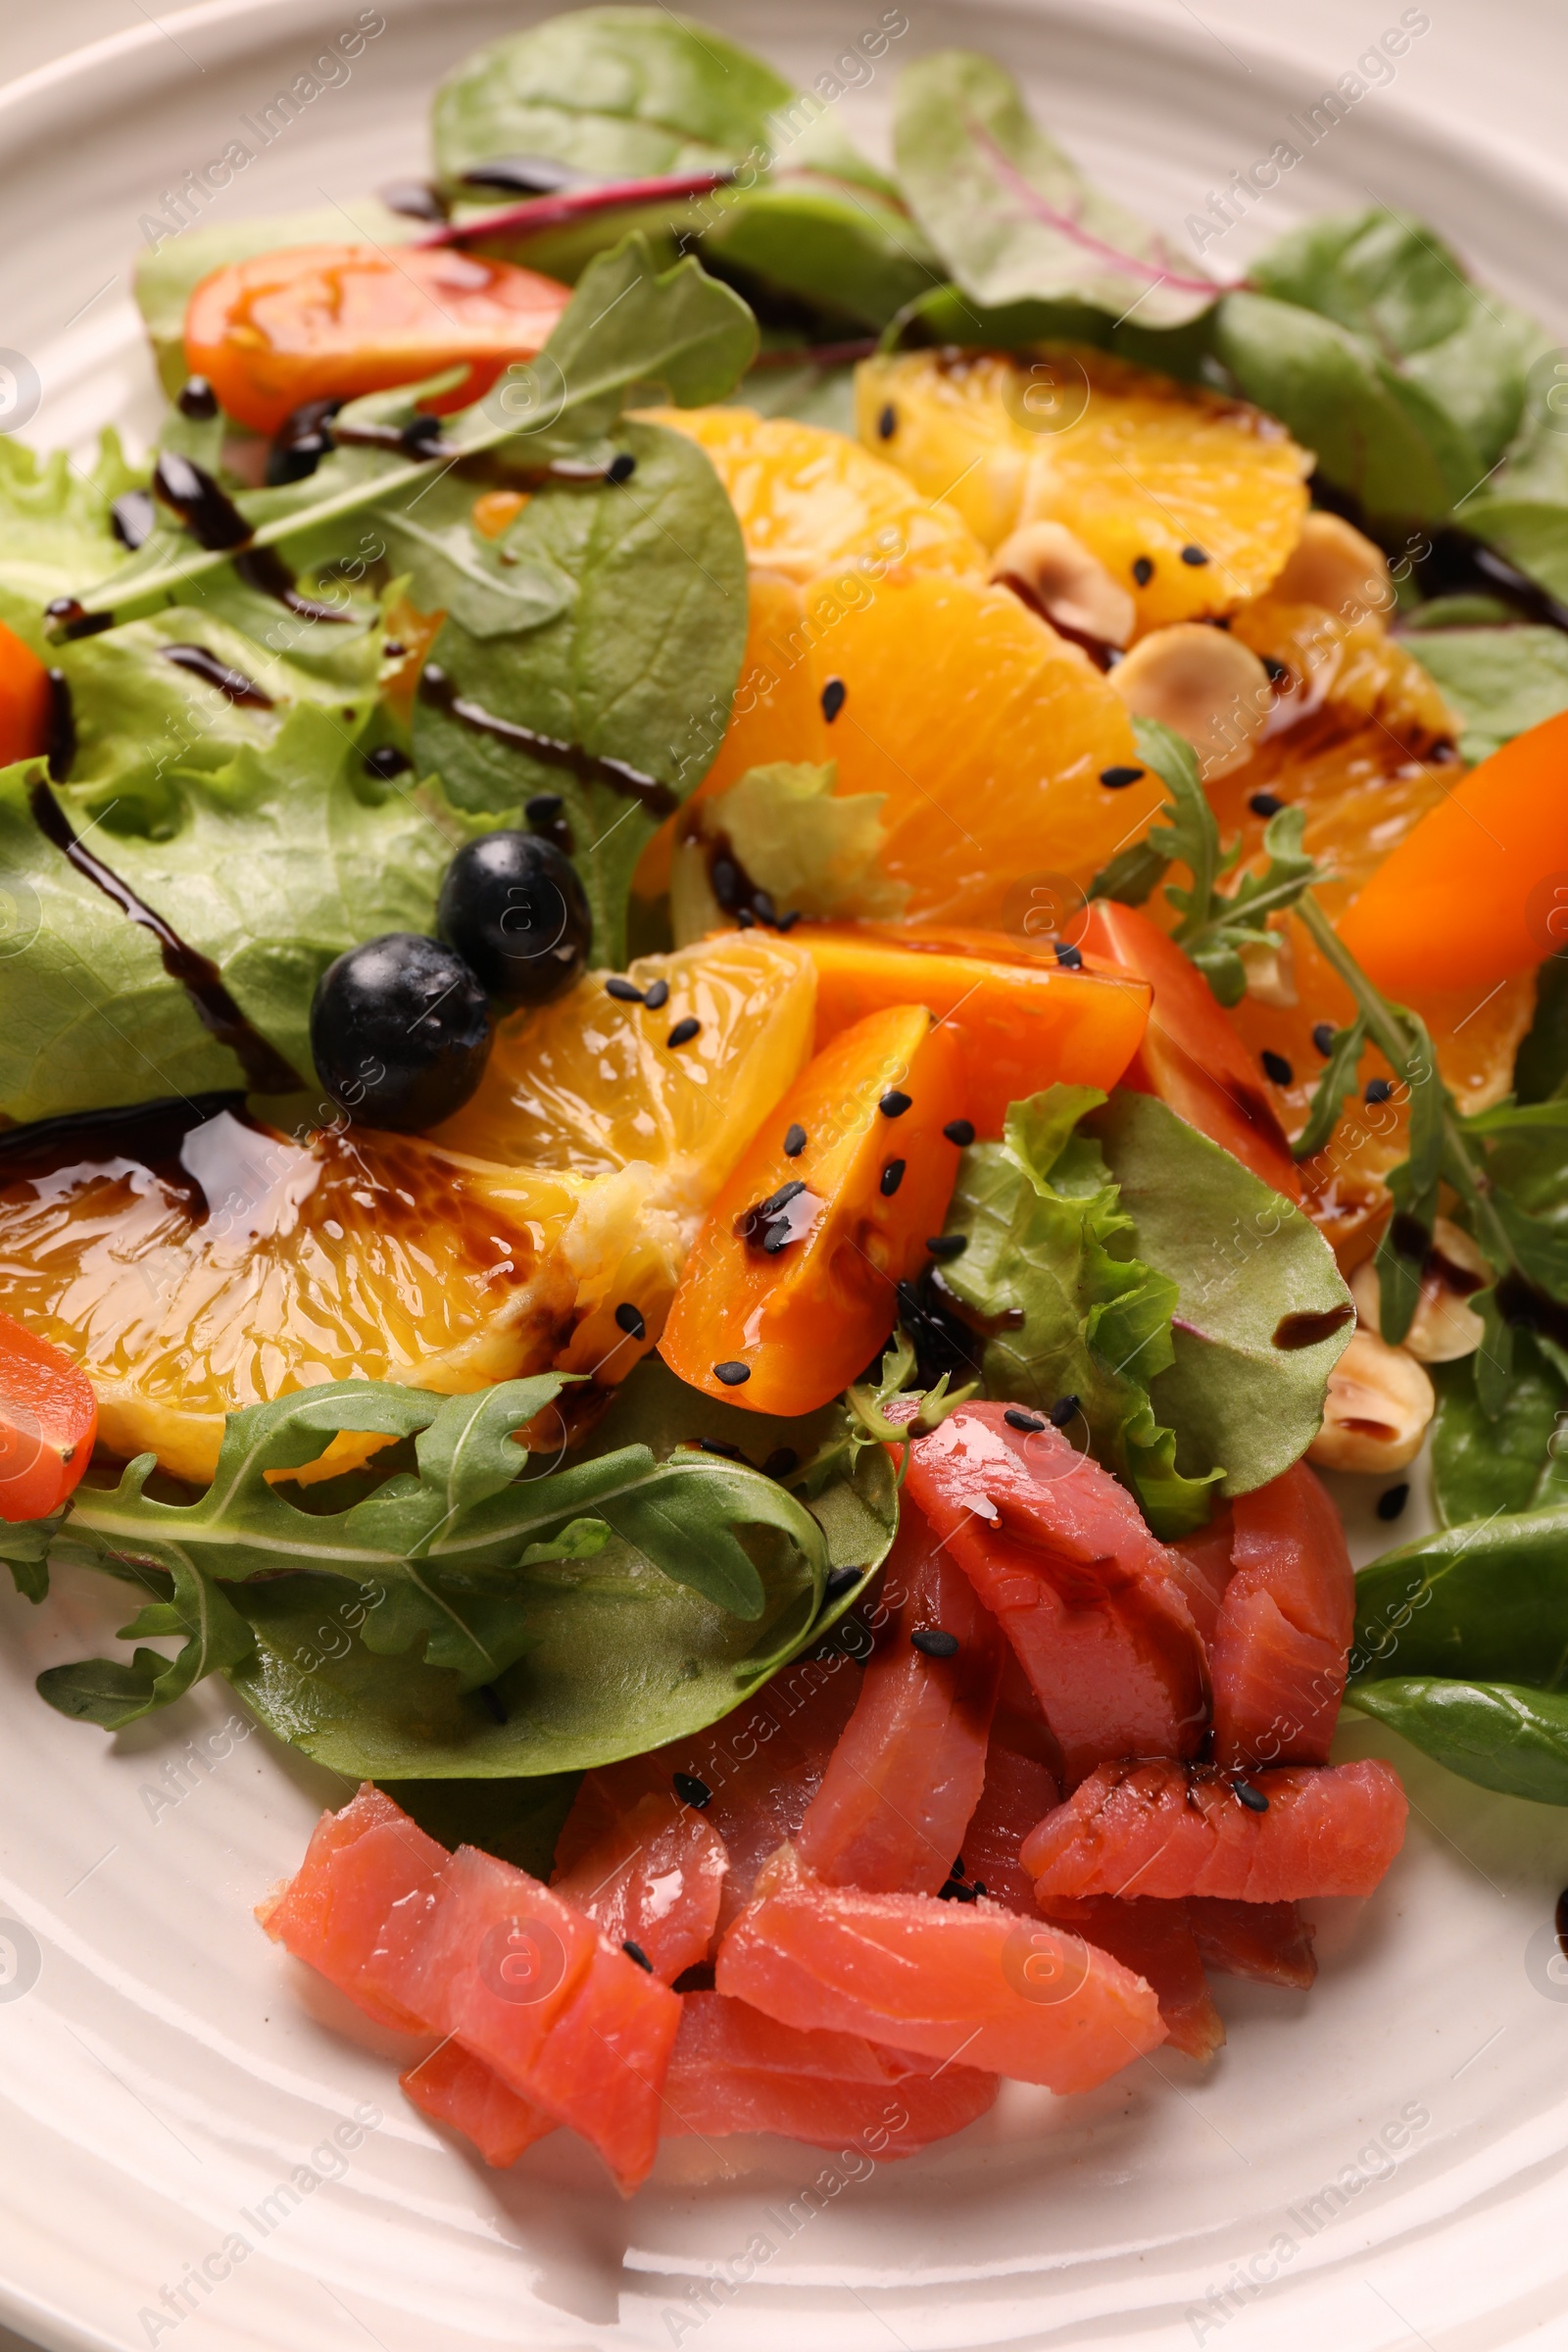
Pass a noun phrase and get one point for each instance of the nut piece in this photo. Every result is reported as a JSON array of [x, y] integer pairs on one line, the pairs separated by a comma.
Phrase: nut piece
[[1445, 1325], [1206, 684], [1377, 1408], [1271, 970], [1071, 587], [1332, 565]]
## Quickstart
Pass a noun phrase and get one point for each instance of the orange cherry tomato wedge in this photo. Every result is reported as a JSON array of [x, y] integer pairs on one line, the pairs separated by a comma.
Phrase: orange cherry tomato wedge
[[333, 322], [789, 1287], [1024, 1021], [1191, 1055], [25, 701], [1478, 890], [48, 1421]]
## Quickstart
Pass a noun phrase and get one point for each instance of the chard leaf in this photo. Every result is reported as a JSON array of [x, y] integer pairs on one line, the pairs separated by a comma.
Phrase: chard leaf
[[1497, 682], [1011, 213]]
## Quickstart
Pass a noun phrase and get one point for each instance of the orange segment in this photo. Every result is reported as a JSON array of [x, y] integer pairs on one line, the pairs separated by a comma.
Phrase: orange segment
[[1190, 502], [789, 1287]]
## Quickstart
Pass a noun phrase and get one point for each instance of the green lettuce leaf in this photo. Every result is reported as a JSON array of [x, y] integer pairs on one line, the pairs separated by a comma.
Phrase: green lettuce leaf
[[815, 855]]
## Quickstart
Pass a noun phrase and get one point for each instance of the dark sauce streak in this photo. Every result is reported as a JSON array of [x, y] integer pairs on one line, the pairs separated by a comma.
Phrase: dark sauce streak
[[208, 511], [232, 684], [1103, 654], [61, 745], [262, 569], [265, 1070], [1528, 1308], [68, 619], [133, 519], [1306, 1330], [1410, 1237], [1459, 566], [149, 1133], [1258, 1112], [657, 799]]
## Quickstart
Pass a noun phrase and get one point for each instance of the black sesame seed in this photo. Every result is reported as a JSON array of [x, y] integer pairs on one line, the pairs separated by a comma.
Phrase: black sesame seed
[[1194, 556], [781, 1462], [887, 423], [833, 694], [787, 923], [1016, 1418], [934, 1642], [1143, 569], [1062, 1411], [1266, 804], [386, 761], [734, 1375], [1252, 1798], [895, 1103], [622, 465], [624, 992], [745, 919], [762, 906], [892, 1176], [979, 1889], [1392, 1502], [1068, 957], [793, 1141], [1323, 1037], [948, 1244], [1279, 673], [691, 1790], [1276, 1066], [629, 1319], [839, 1580], [725, 1450], [1115, 778], [684, 1031], [1378, 1090], [960, 1132], [725, 876], [634, 1951], [656, 994]]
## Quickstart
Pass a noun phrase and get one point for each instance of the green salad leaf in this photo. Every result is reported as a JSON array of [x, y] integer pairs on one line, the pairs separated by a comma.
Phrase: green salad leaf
[[476, 1614], [1496, 681], [1503, 1735], [1011, 215], [1517, 1462], [815, 853], [1541, 1065]]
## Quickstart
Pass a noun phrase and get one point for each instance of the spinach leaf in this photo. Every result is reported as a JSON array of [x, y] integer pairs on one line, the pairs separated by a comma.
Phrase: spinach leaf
[[1541, 1065], [1501, 1735], [638, 665], [628, 330], [1010, 212], [1523, 510], [1240, 1263], [1051, 1265], [272, 865], [517, 1821], [1487, 1600], [1497, 682], [1482, 1465]]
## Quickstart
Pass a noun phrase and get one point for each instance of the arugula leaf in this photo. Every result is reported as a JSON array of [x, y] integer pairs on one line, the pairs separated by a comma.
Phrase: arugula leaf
[[1048, 1271], [1501, 1735], [815, 853], [1215, 925], [1241, 1264], [216, 1639], [1339, 1078], [272, 865], [639, 663], [1011, 213], [627, 329], [1497, 682]]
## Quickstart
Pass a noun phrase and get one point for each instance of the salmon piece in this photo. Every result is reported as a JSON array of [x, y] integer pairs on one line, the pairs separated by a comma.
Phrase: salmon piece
[[1269, 1941], [907, 1772], [949, 1979], [1021, 1782], [735, 2069], [455, 2088], [1157, 1942], [1281, 1643], [1208, 1559], [358, 1865], [1096, 1608], [1165, 1828], [651, 1877]]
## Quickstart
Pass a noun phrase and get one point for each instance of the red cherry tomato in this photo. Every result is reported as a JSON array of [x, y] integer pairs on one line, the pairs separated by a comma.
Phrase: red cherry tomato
[[48, 1421], [1191, 1055], [334, 321]]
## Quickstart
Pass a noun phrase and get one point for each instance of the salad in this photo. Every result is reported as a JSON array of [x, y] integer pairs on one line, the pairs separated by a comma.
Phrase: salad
[[775, 930]]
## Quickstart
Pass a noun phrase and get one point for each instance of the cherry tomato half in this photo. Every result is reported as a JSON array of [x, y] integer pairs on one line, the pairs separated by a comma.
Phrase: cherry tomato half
[[334, 321], [24, 701], [48, 1421]]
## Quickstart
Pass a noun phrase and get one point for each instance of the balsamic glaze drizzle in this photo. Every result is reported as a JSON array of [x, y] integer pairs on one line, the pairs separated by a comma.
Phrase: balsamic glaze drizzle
[[438, 689], [232, 684]]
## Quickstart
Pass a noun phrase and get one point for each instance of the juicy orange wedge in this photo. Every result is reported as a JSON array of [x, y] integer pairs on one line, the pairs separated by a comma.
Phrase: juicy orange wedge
[[1024, 1020], [335, 322], [790, 1288]]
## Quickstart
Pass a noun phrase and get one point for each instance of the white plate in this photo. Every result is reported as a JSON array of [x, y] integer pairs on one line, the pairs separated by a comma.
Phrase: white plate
[[163, 2072]]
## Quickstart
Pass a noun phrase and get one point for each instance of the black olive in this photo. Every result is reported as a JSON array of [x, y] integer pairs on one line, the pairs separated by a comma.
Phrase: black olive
[[515, 909], [400, 1029]]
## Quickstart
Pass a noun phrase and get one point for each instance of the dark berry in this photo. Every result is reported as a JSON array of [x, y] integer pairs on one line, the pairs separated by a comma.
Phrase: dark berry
[[400, 1029], [513, 906]]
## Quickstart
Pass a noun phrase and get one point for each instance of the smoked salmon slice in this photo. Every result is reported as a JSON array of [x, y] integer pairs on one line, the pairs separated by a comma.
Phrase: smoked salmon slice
[[1282, 1643], [1155, 1940], [1021, 1783], [1167, 1829], [735, 2069], [1095, 1605], [651, 1877], [908, 1766], [953, 1981], [1268, 1941], [454, 2087], [358, 1865]]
